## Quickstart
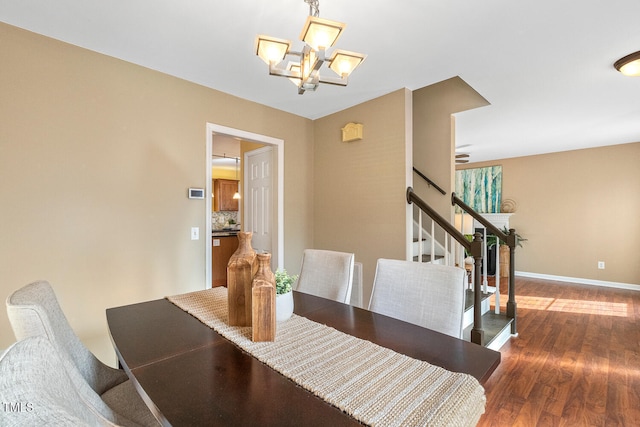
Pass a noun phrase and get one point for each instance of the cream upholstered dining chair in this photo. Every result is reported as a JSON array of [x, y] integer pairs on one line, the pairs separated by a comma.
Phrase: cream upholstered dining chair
[[34, 311], [326, 274], [427, 295], [36, 392], [356, 285]]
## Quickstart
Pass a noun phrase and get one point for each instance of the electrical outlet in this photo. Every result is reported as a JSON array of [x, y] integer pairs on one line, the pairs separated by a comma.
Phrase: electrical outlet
[[600, 265], [195, 233]]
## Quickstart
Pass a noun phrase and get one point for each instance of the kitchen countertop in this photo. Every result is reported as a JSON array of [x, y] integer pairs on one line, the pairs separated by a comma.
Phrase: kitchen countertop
[[224, 233]]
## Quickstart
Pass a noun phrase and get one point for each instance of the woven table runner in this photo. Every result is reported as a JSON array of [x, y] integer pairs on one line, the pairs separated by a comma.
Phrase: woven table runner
[[373, 384]]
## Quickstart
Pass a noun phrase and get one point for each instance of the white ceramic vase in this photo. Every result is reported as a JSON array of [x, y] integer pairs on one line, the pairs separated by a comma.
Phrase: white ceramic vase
[[284, 306]]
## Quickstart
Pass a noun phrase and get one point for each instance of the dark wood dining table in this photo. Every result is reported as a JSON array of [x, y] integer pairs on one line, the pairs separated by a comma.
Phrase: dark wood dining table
[[189, 375]]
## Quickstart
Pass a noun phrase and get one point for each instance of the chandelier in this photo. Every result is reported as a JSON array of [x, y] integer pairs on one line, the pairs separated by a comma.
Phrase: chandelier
[[304, 71]]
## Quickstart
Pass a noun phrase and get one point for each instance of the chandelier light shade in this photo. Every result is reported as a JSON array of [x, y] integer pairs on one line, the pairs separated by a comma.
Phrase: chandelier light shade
[[629, 65], [304, 71], [343, 62], [321, 33], [270, 49]]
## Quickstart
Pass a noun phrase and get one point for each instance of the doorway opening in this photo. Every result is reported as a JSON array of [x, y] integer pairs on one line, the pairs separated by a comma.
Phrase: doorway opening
[[277, 200]]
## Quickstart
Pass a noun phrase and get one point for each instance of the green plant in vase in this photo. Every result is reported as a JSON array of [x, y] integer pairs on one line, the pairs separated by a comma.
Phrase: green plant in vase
[[492, 240], [284, 282], [284, 296]]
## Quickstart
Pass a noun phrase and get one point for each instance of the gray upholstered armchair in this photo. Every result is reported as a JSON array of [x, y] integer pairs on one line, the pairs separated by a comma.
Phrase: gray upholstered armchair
[[34, 391], [34, 311]]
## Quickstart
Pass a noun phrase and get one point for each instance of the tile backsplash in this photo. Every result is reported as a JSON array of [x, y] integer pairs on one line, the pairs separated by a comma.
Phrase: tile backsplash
[[221, 220]]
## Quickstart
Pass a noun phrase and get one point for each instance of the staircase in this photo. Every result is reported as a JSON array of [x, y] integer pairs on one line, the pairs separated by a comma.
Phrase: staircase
[[490, 328], [424, 246], [497, 326]]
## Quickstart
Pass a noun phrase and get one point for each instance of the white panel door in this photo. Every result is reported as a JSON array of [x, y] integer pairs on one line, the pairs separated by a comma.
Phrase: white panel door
[[259, 209]]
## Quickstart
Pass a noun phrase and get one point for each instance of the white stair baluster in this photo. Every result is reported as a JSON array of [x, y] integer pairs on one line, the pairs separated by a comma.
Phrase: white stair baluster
[[420, 239], [433, 241], [497, 291]]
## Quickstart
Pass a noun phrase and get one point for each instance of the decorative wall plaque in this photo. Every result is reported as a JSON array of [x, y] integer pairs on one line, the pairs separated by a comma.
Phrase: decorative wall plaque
[[352, 132]]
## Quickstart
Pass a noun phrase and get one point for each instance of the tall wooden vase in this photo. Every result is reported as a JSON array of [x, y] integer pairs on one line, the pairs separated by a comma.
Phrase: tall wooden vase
[[241, 268], [505, 253], [263, 301]]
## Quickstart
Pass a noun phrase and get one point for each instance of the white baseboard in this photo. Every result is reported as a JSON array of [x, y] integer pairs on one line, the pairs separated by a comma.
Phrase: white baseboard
[[501, 339], [618, 285]]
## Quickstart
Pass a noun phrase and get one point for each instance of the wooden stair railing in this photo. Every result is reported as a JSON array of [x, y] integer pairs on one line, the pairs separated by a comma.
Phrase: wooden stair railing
[[510, 240], [474, 248], [429, 181]]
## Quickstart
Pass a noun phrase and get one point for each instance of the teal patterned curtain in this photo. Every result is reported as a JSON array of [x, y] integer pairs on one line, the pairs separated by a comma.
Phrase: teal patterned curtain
[[480, 188]]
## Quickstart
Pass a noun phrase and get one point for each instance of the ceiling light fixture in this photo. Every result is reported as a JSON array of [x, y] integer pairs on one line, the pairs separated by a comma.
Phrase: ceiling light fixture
[[319, 35], [629, 65], [236, 195]]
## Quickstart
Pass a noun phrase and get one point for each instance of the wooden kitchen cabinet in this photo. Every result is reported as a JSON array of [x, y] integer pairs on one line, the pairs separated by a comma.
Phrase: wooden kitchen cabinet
[[223, 248], [223, 191]]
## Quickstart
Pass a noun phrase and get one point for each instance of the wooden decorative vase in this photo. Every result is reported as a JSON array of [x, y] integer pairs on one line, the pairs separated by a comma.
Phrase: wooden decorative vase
[[505, 253], [241, 268], [263, 301]]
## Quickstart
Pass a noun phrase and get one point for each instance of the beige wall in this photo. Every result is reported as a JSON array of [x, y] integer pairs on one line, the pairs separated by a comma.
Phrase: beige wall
[[96, 156], [360, 187], [577, 208], [434, 137]]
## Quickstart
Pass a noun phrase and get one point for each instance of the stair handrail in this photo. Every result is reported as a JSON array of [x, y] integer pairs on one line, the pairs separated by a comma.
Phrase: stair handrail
[[510, 240], [429, 181], [412, 197], [475, 249]]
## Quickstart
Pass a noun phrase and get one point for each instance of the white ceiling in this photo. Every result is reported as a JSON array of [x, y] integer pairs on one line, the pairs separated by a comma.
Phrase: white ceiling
[[545, 66]]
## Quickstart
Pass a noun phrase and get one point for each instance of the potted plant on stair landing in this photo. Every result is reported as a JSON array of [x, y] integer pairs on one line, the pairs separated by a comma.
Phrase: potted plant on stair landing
[[284, 295], [504, 253]]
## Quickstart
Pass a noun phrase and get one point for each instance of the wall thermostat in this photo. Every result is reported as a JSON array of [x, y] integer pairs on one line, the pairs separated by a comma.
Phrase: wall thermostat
[[196, 193]]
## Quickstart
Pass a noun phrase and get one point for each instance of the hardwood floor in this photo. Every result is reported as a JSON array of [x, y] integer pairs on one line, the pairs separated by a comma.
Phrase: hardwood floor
[[576, 361]]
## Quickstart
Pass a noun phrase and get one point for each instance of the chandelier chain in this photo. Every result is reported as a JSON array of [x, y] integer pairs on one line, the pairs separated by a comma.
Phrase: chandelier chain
[[314, 7]]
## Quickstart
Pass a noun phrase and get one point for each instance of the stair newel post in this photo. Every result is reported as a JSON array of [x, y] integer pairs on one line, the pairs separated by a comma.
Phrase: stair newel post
[[511, 303], [477, 332]]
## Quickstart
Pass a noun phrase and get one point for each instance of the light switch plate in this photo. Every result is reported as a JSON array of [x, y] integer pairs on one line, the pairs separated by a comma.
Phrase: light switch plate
[[195, 233]]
